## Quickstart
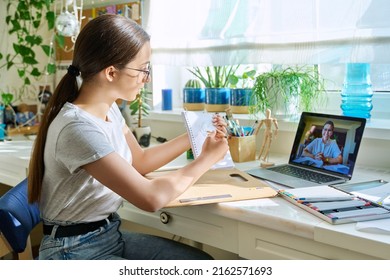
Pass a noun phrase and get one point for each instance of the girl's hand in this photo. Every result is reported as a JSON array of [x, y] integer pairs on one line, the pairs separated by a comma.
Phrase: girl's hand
[[215, 146], [220, 125]]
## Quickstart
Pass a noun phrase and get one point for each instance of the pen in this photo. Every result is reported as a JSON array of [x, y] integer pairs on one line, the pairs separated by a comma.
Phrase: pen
[[229, 114], [234, 128], [253, 127], [240, 129]]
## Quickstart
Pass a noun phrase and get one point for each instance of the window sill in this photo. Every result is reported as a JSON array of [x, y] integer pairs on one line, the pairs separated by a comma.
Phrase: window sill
[[376, 128]]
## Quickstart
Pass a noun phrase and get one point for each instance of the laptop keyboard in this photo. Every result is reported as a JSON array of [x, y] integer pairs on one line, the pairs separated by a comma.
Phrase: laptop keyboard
[[303, 174]]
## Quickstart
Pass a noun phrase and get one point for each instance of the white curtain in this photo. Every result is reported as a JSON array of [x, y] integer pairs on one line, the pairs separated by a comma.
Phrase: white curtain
[[222, 32]]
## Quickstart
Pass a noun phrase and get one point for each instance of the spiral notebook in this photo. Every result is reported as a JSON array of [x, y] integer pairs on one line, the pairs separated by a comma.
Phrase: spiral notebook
[[198, 123]]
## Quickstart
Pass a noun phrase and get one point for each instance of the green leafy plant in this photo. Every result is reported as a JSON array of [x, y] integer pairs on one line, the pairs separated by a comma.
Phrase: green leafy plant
[[139, 107], [6, 98], [214, 76], [302, 85], [6, 105], [24, 19], [245, 80]]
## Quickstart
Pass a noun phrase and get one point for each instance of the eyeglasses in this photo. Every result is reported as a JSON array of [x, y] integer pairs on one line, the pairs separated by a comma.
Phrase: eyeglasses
[[143, 76]]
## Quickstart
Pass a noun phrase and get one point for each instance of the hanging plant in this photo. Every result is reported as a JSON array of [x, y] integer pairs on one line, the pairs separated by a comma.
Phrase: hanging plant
[[24, 19]]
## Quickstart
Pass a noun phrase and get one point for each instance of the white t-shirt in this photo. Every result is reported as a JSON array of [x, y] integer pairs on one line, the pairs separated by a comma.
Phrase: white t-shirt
[[75, 138]]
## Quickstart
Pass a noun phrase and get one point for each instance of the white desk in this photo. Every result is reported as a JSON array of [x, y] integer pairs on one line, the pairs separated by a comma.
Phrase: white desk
[[253, 229]]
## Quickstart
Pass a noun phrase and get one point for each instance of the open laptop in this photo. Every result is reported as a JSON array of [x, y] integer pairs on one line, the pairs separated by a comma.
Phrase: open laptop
[[348, 133]]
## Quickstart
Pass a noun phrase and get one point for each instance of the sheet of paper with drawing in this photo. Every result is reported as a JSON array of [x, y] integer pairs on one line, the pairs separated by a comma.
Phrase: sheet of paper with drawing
[[198, 123]]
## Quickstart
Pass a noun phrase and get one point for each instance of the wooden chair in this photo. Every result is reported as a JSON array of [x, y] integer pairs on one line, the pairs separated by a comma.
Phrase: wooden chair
[[17, 220]]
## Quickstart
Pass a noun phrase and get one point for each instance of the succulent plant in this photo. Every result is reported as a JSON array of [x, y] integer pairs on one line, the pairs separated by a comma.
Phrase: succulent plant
[[193, 83]]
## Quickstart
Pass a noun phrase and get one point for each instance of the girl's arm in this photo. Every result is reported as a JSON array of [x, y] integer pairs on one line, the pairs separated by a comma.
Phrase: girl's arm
[[152, 194], [150, 159]]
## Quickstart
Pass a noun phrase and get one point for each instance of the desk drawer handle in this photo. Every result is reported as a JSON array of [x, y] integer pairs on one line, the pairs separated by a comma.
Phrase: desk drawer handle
[[164, 217]]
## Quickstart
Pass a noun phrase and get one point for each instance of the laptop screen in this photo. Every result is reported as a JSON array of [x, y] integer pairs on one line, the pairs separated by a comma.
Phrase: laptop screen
[[328, 142]]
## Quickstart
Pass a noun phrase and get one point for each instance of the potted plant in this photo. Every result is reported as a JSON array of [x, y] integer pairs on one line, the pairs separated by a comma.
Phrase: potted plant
[[139, 108], [287, 91], [7, 112], [193, 95], [241, 91], [216, 81]]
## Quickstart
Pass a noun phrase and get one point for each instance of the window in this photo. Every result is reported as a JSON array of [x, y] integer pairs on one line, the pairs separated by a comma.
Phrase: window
[[329, 33]]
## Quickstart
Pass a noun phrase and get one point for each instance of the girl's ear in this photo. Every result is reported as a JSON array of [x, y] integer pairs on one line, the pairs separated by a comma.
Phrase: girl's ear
[[110, 73]]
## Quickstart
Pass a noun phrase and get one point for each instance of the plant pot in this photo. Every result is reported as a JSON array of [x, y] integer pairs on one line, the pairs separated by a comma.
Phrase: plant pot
[[143, 135], [217, 99], [193, 99], [240, 100]]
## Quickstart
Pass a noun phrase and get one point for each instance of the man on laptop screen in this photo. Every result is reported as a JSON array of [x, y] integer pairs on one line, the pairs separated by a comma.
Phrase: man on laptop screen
[[324, 152]]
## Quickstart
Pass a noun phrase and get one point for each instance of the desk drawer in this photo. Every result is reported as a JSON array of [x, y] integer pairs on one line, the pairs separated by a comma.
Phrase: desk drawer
[[188, 222], [262, 243]]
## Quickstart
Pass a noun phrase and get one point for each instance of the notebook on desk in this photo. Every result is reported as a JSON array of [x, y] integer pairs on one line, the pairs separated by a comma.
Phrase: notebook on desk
[[304, 171]]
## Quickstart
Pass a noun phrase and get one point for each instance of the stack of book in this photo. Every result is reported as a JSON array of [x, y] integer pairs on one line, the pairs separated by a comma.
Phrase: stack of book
[[346, 203]]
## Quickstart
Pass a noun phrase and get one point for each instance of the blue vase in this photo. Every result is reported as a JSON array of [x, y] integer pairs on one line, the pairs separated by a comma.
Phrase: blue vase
[[2, 131], [356, 95], [2, 108], [2, 124]]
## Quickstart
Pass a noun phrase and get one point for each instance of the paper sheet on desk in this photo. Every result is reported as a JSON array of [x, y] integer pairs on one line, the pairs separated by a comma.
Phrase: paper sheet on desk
[[381, 226]]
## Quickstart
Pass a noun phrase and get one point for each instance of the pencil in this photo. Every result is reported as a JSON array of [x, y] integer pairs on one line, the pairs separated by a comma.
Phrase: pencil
[[253, 127]]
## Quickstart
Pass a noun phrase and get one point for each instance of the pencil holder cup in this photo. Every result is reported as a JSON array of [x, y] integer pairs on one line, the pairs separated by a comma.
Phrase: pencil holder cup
[[242, 149]]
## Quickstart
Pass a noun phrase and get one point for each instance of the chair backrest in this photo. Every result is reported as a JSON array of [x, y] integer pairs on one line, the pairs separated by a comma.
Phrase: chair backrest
[[17, 217]]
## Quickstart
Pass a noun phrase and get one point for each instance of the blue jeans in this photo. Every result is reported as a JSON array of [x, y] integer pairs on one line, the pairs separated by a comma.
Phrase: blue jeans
[[109, 243]]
